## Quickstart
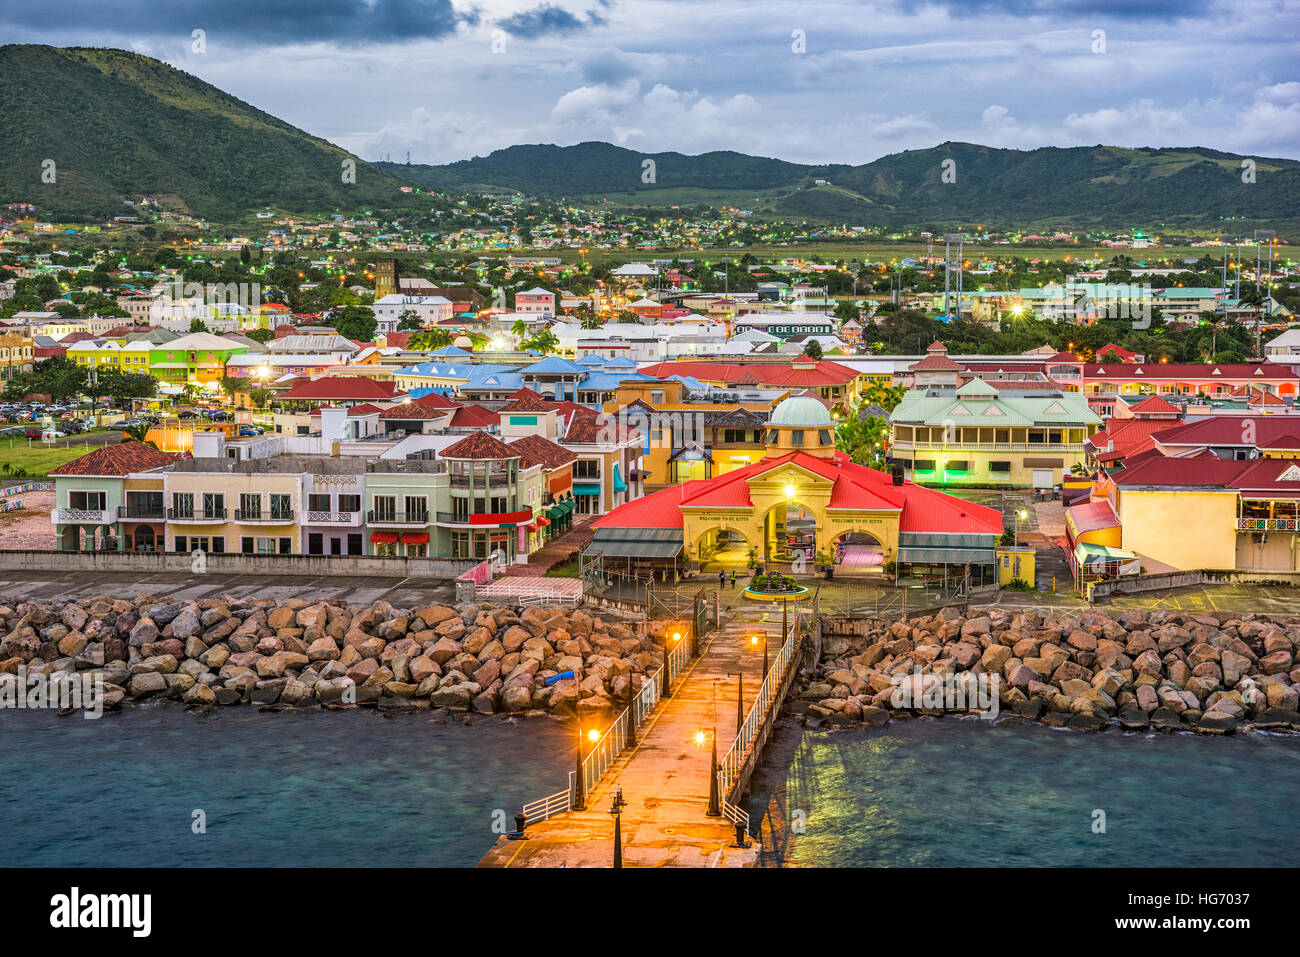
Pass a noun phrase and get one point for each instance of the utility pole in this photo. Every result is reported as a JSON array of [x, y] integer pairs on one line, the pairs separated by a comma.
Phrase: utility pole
[[1262, 234]]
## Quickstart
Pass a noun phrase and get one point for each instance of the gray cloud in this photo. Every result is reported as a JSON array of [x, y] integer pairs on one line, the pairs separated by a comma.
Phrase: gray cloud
[[549, 19], [264, 22]]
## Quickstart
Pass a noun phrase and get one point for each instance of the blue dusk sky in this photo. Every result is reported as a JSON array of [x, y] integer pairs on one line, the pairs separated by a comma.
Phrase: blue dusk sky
[[810, 81]]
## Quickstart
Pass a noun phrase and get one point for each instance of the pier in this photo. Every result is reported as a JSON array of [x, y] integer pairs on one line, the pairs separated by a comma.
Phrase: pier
[[665, 768]]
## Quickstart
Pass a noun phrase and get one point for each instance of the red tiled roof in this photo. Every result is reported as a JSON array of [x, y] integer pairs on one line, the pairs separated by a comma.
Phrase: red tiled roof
[[526, 400], [121, 459], [780, 375], [365, 408], [1265, 474], [72, 338], [398, 340], [479, 445], [1063, 357], [344, 389], [1117, 350], [431, 406], [1153, 404], [1169, 471], [1202, 371], [473, 417], [855, 487], [933, 363], [1093, 516], [1260, 431], [1266, 398], [539, 450]]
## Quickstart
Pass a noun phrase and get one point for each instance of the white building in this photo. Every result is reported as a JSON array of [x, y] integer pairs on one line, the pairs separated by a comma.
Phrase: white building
[[430, 310]]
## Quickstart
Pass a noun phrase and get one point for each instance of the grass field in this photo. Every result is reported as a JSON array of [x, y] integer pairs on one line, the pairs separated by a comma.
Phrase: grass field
[[27, 457]]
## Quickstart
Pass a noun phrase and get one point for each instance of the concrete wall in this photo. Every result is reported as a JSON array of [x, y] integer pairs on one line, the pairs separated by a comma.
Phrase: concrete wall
[[146, 563]]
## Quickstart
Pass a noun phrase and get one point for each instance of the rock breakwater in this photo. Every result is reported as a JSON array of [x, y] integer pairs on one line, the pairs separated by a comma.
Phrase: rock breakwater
[[295, 653], [1138, 670]]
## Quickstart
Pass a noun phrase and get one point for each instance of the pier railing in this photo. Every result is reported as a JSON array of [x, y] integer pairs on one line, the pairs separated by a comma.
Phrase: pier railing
[[731, 767], [619, 736]]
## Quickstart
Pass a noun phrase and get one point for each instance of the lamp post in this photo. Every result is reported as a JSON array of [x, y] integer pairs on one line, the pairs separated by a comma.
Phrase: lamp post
[[579, 790], [740, 699], [715, 804], [616, 808]]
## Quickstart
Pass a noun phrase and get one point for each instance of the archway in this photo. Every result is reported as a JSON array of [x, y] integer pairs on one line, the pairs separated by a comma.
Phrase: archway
[[144, 538], [70, 538], [857, 553], [790, 533], [725, 548]]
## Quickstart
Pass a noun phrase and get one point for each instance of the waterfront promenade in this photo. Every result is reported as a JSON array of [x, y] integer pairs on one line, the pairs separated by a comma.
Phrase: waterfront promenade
[[665, 777]]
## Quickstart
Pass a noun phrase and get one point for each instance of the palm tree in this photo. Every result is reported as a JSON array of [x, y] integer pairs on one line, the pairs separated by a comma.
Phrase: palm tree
[[136, 432], [519, 330], [862, 439], [544, 342], [591, 321]]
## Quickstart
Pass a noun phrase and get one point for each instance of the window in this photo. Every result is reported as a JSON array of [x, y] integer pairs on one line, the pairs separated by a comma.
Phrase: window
[[281, 506], [349, 503], [586, 469], [90, 501], [925, 465], [824, 436], [250, 505], [460, 510], [246, 545], [214, 505], [999, 466], [386, 549], [182, 507], [385, 508], [181, 544], [316, 543], [417, 508], [460, 545], [319, 503], [796, 436], [286, 546]]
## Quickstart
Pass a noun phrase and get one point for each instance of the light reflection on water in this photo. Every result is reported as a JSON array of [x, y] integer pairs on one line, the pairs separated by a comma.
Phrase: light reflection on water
[[952, 793]]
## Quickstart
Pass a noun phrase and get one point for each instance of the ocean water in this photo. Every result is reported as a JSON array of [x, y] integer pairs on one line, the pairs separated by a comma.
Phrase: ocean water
[[336, 789], [956, 793]]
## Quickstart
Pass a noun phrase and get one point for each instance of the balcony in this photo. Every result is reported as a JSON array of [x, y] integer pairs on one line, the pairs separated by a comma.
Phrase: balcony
[[1267, 524], [333, 518], [196, 515], [83, 516], [989, 446], [485, 519], [495, 478], [143, 511], [414, 519], [266, 518]]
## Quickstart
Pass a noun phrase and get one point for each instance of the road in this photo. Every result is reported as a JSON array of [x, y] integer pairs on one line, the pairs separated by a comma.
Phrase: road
[[401, 592]]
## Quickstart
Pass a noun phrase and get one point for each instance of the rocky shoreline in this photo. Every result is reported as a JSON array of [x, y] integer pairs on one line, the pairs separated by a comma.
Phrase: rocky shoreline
[[1086, 671], [298, 654]]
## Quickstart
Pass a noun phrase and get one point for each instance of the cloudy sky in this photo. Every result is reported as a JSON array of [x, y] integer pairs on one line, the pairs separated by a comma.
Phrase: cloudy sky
[[807, 80]]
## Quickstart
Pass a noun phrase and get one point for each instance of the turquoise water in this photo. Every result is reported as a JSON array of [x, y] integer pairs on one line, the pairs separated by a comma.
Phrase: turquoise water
[[337, 789], [950, 793]]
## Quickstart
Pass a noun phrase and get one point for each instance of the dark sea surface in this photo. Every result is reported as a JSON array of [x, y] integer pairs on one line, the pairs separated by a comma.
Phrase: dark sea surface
[[337, 789], [954, 793]]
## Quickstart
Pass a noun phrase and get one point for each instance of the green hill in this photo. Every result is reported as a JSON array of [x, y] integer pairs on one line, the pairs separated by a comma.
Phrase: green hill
[[1082, 186], [119, 125]]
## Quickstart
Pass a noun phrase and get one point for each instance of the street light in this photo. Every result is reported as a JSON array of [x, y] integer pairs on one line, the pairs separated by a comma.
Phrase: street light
[[715, 805], [1021, 515], [579, 795], [753, 640]]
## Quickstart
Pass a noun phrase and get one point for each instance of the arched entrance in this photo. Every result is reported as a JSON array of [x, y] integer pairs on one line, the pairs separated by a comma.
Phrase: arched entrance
[[724, 548], [144, 539], [790, 533], [858, 553]]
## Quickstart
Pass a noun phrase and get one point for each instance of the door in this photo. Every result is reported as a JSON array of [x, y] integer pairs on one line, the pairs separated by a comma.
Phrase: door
[[355, 546], [1043, 479], [315, 543]]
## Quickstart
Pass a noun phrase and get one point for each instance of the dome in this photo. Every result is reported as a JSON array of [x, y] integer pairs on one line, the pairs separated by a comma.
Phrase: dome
[[801, 412]]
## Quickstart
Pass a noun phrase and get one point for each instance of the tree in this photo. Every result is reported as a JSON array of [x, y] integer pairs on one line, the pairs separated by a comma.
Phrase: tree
[[429, 339], [409, 321], [244, 255], [121, 386], [260, 335], [198, 325], [57, 377], [354, 322], [591, 321], [812, 349], [259, 397], [137, 432], [862, 438], [845, 309], [544, 342]]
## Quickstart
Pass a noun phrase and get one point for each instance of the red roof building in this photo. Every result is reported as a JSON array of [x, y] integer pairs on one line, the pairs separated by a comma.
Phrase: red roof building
[[345, 390]]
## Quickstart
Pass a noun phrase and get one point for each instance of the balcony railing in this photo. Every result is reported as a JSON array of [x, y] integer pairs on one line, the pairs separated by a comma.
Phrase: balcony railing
[[494, 478], [397, 518], [84, 516], [989, 446], [196, 515], [142, 511], [333, 518], [1267, 524], [242, 515]]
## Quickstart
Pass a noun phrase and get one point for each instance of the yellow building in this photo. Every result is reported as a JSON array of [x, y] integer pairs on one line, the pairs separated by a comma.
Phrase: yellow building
[[694, 436], [16, 356], [803, 503]]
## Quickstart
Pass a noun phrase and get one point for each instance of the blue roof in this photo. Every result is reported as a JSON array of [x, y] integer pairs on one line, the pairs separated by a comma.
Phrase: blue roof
[[552, 365], [690, 381], [622, 362], [453, 370], [591, 360], [450, 351], [494, 378], [607, 381]]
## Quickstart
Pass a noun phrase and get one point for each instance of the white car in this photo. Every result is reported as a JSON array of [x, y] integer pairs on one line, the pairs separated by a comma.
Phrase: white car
[[49, 435]]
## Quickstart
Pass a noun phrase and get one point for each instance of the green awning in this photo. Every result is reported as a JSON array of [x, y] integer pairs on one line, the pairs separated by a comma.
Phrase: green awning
[[585, 489], [635, 543], [619, 484]]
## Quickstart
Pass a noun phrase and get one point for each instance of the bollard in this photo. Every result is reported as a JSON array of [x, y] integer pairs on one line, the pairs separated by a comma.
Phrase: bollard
[[740, 836], [521, 821]]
